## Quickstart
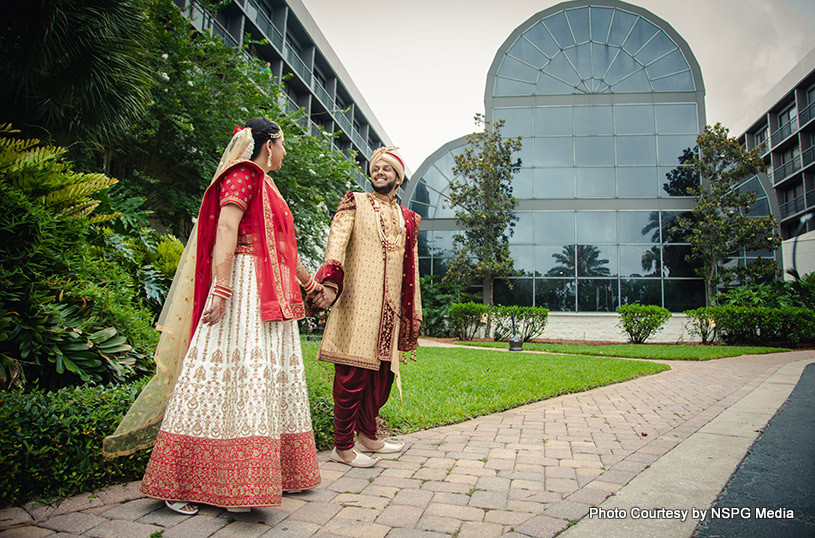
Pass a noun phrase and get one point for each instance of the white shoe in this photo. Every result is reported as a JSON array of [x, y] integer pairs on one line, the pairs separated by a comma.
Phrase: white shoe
[[182, 507], [360, 459], [239, 509], [388, 448]]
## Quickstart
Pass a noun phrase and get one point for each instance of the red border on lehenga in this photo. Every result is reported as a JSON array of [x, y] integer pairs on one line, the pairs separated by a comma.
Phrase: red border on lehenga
[[250, 471]]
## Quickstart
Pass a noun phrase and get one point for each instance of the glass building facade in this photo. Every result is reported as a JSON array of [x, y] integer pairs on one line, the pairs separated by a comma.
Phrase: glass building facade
[[607, 98]]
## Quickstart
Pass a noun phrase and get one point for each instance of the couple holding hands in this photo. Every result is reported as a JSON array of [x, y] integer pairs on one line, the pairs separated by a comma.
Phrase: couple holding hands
[[227, 412]]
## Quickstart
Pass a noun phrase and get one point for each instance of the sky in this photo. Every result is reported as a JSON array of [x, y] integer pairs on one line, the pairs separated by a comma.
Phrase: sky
[[422, 65]]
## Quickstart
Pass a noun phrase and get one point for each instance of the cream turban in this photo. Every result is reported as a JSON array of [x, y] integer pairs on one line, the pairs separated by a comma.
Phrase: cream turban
[[389, 155]]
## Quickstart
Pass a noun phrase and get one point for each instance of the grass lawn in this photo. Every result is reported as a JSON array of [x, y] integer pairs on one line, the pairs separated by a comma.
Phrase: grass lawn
[[641, 351], [450, 385]]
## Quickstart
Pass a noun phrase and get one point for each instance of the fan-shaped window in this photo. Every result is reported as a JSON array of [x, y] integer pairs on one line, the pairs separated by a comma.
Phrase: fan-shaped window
[[592, 50]]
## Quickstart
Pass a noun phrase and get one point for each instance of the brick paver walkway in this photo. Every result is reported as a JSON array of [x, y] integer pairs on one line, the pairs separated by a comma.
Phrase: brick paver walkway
[[529, 471]]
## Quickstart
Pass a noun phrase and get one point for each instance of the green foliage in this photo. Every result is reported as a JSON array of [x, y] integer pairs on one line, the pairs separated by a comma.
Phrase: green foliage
[[467, 318], [202, 89], [669, 352], [530, 321], [720, 225], [769, 294], [481, 195], [76, 70], [50, 442], [763, 326], [803, 288], [701, 324], [67, 314], [641, 322], [437, 296]]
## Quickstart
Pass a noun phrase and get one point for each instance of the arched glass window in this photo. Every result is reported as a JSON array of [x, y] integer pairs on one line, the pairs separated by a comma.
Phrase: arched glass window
[[592, 50]]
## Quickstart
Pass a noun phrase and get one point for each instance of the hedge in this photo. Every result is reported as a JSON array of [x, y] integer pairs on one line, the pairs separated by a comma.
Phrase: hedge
[[467, 318], [763, 326], [50, 442]]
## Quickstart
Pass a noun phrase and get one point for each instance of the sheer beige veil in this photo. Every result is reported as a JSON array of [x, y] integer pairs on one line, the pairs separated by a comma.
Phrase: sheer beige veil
[[141, 424]]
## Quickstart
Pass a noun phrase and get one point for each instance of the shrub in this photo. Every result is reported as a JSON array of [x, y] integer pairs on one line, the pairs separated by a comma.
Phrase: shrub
[[51, 442], [701, 324], [763, 326], [437, 296], [530, 321], [467, 318], [641, 322]]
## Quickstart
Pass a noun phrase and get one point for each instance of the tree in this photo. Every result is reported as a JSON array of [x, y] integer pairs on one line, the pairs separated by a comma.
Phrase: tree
[[203, 88], [74, 70], [720, 227], [482, 198]]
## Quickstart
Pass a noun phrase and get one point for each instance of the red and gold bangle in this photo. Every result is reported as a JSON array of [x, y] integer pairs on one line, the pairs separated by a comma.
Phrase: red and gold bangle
[[222, 291], [311, 286]]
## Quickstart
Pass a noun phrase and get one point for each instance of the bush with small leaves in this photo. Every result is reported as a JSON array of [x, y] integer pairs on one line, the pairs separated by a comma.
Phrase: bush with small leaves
[[641, 322]]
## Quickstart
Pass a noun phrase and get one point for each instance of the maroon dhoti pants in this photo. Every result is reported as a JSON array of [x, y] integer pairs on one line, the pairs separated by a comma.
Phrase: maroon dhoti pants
[[359, 393]]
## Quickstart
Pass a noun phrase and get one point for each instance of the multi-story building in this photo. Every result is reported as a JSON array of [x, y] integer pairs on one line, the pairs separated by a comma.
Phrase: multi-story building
[[782, 124], [283, 33], [607, 96]]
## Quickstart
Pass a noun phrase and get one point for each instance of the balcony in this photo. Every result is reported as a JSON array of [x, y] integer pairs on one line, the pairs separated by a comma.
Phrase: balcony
[[291, 105], [299, 65], [810, 195], [806, 114], [808, 155], [258, 15], [322, 94], [784, 131], [345, 124], [792, 207], [786, 169]]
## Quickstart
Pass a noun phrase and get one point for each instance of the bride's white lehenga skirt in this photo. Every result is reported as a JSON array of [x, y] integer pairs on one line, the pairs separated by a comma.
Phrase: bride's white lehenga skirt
[[237, 431]]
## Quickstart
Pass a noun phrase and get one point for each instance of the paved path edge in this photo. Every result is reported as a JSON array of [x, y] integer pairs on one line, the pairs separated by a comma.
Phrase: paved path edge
[[693, 474]]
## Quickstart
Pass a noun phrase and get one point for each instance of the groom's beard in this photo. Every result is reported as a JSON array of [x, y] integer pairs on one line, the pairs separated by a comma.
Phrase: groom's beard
[[386, 188]]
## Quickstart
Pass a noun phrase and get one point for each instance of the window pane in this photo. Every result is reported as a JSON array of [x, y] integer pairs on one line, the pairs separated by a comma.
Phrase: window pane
[[425, 266], [639, 36], [443, 242], [659, 46], [561, 68], [668, 222], [672, 147], [638, 226], [518, 121], [551, 260], [524, 259], [524, 50], [550, 85], [558, 295], [622, 67], [673, 83], [640, 261], [505, 86], [677, 181], [672, 63], [681, 295], [579, 23], [524, 229], [554, 151], [600, 22], [621, 26], [559, 27], [522, 184], [675, 263], [636, 150], [595, 183], [597, 295], [601, 58], [594, 150], [637, 181], [553, 182], [595, 260], [542, 39], [580, 58], [595, 227], [553, 120], [519, 295], [517, 70], [554, 227], [678, 118], [422, 209], [645, 292], [634, 119], [591, 120]]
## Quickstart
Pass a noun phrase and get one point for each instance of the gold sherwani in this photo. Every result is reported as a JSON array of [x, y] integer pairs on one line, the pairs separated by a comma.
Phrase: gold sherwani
[[363, 327]]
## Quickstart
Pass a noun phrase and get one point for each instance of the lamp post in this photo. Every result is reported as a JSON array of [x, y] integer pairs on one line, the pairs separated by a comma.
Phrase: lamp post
[[516, 343]]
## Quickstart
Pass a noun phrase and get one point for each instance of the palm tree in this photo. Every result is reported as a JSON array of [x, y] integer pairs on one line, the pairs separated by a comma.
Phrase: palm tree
[[585, 257], [79, 71]]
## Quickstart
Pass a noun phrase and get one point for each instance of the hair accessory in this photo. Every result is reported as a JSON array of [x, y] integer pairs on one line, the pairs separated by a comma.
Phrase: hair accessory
[[236, 130]]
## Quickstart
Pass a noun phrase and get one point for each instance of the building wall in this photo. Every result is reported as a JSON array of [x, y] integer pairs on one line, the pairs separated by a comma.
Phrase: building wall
[[285, 36], [607, 97], [782, 125]]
